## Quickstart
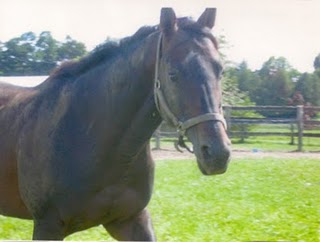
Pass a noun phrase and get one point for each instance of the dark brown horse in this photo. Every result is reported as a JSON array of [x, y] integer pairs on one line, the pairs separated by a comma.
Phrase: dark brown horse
[[74, 151]]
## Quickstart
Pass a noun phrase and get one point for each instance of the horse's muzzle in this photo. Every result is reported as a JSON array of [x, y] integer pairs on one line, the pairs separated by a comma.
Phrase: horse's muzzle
[[213, 160], [212, 147]]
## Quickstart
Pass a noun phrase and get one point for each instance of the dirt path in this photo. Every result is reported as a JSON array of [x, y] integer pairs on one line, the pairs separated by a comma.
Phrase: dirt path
[[169, 153]]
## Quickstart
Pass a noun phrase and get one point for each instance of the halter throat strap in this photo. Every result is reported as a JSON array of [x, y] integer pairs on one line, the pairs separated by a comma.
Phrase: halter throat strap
[[164, 109]]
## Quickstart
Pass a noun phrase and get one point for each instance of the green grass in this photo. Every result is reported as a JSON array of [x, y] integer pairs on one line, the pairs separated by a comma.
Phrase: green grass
[[256, 200], [267, 144], [270, 144]]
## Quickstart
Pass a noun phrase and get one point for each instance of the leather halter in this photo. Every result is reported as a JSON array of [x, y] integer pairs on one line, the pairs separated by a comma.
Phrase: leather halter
[[167, 114]]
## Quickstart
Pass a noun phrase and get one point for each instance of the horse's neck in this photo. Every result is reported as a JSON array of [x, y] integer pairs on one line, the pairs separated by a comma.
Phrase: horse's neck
[[143, 117], [140, 130]]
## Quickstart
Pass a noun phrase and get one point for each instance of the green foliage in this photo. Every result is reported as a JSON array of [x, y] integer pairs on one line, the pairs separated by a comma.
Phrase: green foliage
[[237, 86], [276, 86], [273, 64], [247, 80], [258, 199], [275, 91], [316, 63], [36, 55], [309, 86], [231, 93], [272, 85], [276, 83]]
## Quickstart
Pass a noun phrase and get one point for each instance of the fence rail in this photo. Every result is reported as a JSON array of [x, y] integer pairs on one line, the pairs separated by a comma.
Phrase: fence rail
[[298, 119]]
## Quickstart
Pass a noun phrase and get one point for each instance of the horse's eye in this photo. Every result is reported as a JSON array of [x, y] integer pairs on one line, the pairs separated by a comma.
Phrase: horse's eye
[[173, 75], [220, 70]]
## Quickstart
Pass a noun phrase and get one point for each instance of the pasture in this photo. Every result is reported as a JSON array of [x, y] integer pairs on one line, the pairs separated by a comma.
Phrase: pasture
[[258, 199]]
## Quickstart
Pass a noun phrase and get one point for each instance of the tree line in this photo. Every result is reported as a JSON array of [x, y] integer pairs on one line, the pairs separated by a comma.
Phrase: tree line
[[276, 83], [32, 55]]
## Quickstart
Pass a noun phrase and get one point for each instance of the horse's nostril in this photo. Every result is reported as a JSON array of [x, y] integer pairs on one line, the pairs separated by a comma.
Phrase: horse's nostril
[[216, 153], [205, 151]]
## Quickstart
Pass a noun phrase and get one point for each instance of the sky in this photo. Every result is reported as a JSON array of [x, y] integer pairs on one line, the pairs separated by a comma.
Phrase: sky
[[254, 29]]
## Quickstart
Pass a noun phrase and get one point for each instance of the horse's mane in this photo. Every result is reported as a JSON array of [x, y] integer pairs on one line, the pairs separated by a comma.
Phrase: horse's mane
[[110, 49], [100, 54]]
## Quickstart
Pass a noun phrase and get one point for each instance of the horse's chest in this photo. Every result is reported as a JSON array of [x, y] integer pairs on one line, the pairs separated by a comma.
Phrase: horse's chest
[[119, 201], [110, 204], [113, 195]]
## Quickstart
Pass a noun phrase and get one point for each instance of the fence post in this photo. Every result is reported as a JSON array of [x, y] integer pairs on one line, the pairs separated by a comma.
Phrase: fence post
[[227, 114], [300, 126], [292, 133]]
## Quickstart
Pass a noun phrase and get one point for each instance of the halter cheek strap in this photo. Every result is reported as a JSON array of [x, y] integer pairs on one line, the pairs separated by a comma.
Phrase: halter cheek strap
[[165, 111]]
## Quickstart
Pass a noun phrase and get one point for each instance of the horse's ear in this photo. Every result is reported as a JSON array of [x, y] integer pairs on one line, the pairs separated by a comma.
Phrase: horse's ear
[[168, 21], [208, 18]]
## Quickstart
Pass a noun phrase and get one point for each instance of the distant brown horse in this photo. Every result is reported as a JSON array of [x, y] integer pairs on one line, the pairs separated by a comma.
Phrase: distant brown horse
[[74, 151]]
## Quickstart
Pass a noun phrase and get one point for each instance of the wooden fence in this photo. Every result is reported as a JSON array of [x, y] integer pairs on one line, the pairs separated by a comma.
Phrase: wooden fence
[[297, 118]]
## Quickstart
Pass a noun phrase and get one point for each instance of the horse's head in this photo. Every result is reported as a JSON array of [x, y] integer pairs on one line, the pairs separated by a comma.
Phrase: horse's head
[[188, 86]]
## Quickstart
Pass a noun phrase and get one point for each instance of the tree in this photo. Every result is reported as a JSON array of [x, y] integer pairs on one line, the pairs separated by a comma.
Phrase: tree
[[275, 85], [244, 76], [36, 55], [232, 95], [275, 90], [70, 49], [274, 64], [47, 56], [309, 86], [316, 63], [277, 82], [247, 80], [17, 54]]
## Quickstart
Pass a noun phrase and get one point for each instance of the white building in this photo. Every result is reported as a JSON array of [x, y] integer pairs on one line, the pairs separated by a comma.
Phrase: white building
[[26, 81]]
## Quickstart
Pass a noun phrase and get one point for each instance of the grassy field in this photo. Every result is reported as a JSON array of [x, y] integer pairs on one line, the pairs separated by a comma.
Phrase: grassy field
[[270, 144], [256, 200], [264, 144]]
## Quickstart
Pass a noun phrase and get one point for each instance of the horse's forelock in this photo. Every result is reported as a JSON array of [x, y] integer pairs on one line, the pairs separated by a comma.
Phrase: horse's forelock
[[189, 25]]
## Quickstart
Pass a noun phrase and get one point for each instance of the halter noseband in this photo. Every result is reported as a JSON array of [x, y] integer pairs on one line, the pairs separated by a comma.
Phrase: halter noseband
[[165, 111]]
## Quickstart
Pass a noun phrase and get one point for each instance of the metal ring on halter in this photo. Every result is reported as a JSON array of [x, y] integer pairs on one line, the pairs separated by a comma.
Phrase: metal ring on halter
[[157, 84]]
